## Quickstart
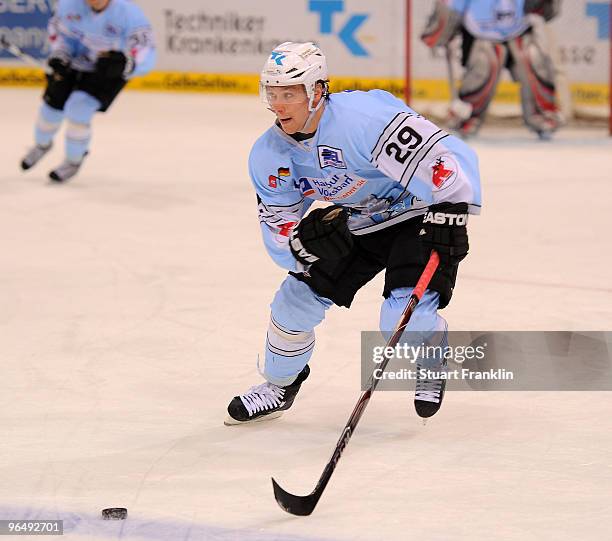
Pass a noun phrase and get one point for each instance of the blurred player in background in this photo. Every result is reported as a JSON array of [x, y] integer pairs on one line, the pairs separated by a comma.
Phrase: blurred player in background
[[96, 46], [400, 187], [499, 34]]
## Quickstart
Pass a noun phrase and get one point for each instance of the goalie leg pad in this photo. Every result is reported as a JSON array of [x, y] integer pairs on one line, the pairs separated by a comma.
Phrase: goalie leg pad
[[482, 72], [533, 68], [296, 311]]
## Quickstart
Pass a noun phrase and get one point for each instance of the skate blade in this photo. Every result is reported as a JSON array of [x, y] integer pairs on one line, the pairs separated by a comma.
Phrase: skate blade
[[230, 421]]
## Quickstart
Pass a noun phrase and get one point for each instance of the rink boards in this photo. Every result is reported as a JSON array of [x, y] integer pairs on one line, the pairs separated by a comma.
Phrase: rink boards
[[220, 48]]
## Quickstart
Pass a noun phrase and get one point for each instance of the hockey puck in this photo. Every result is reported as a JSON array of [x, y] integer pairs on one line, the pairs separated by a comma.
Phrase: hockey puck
[[114, 513]]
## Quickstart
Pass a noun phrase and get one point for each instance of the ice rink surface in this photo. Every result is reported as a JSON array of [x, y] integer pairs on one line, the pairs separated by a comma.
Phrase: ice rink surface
[[134, 302]]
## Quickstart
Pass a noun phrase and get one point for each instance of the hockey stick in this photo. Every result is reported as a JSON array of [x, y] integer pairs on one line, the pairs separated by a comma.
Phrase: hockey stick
[[17, 52], [304, 505]]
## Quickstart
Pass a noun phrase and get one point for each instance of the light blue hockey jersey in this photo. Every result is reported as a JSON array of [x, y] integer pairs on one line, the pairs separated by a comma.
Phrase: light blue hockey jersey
[[78, 32], [372, 155], [497, 20]]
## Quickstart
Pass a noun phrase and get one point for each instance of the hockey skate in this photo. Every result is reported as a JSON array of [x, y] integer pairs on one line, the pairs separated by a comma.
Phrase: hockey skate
[[66, 170], [429, 393], [264, 402], [34, 155]]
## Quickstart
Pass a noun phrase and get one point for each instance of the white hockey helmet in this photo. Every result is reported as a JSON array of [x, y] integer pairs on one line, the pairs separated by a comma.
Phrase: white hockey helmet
[[294, 64]]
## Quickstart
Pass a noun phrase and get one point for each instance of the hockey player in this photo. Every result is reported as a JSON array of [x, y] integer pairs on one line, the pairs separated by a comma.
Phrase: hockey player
[[498, 34], [400, 187], [96, 46]]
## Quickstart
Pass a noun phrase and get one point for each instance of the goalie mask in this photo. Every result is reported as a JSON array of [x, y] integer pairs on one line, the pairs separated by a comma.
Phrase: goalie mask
[[292, 64]]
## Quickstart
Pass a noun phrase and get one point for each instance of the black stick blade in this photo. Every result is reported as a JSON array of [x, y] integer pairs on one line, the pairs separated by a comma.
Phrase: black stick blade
[[296, 505]]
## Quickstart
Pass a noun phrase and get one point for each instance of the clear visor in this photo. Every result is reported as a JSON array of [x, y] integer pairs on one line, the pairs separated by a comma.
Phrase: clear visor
[[283, 95]]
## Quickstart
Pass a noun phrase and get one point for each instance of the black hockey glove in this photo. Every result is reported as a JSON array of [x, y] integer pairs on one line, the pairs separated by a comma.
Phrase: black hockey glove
[[60, 66], [444, 230], [323, 234], [111, 65]]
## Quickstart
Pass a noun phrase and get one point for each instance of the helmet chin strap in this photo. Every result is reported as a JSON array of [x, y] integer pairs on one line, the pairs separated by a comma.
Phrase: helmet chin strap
[[311, 116]]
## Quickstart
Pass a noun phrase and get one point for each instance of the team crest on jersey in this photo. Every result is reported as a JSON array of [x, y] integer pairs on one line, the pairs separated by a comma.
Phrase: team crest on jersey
[[443, 172], [330, 157]]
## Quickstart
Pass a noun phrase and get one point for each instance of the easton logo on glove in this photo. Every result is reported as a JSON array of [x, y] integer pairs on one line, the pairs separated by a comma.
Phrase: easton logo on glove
[[444, 230], [441, 218]]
